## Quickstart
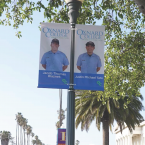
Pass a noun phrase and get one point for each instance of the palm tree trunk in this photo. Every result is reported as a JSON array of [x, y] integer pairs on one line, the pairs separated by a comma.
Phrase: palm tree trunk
[[4, 142], [27, 139], [105, 123], [20, 135], [16, 133], [24, 136], [105, 132]]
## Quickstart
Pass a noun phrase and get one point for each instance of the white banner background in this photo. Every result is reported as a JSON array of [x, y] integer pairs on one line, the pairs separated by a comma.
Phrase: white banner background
[[80, 46], [45, 42]]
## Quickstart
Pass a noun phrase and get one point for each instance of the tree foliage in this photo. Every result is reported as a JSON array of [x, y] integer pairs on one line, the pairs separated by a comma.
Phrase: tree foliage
[[124, 36], [77, 142], [114, 12], [88, 108], [58, 125], [23, 129], [37, 141], [6, 137]]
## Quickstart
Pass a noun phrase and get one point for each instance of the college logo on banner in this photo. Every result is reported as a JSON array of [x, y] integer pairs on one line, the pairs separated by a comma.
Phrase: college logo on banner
[[61, 136], [54, 56]]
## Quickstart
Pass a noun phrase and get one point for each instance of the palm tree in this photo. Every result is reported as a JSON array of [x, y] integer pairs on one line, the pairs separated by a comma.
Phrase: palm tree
[[33, 142], [20, 132], [5, 137], [77, 142], [24, 126], [32, 134], [89, 107], [29, 131], [18, 119], [37, 141], [16, 133], [21, 122], [62, 115], [13, 143]]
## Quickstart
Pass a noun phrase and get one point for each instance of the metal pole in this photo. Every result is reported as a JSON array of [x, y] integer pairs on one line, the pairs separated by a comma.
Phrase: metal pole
[[60, 98], [74, 6], [70, 132]]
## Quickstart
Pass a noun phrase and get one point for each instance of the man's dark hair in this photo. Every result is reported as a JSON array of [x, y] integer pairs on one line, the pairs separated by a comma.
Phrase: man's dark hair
[[55, 41], [90, 43]]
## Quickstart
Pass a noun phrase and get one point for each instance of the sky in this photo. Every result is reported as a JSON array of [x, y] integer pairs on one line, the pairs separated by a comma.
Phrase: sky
[[19, 64]]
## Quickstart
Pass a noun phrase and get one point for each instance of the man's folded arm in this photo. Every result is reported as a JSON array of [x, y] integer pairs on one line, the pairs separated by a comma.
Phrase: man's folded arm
[[44, 66], [79, 68], [98, 68], [64, 67]]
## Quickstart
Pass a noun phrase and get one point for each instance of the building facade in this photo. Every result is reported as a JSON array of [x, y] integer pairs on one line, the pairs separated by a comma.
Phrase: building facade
[[137, 137]]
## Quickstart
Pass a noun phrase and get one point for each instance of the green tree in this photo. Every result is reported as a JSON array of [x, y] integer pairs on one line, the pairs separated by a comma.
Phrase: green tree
[[89, 107], [33, 142], [58, 125], [37, 141], [124, 37], [77, 142], [22, 129], [28, 132], [32, 135], [24, 126], [124, 55], [18, 119], [5, 137], [141, 5], [21, 122], [116, 12]]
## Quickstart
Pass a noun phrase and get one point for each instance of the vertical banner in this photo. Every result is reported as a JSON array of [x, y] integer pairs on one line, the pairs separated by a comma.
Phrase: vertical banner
[[54, 56], [61, 136], [89, 57]]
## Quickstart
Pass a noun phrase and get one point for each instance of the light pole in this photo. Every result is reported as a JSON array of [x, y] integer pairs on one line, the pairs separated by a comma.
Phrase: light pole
[[73, 13], [60, 98]]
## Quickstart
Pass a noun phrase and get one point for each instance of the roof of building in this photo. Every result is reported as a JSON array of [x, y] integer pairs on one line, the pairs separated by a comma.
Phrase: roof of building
[[117, 128]]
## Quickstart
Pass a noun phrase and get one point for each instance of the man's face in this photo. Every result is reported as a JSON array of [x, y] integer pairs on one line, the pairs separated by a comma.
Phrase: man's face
[[54, 47], [90, 49]]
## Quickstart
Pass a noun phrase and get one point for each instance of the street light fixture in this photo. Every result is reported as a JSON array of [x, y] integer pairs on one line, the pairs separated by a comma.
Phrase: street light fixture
[[74, 6]]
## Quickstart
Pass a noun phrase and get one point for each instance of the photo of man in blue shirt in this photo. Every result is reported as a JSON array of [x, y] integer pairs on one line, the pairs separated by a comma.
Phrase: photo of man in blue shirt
[[89, 62], [54, 60]]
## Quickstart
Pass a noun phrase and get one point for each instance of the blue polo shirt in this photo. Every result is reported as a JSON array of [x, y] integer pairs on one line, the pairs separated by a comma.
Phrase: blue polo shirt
[[54, 61], [88, 63]]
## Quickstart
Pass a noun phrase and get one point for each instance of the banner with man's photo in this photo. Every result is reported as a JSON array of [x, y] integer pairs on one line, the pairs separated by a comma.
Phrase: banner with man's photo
[[54, 56], [54, 62], [89, 57]]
